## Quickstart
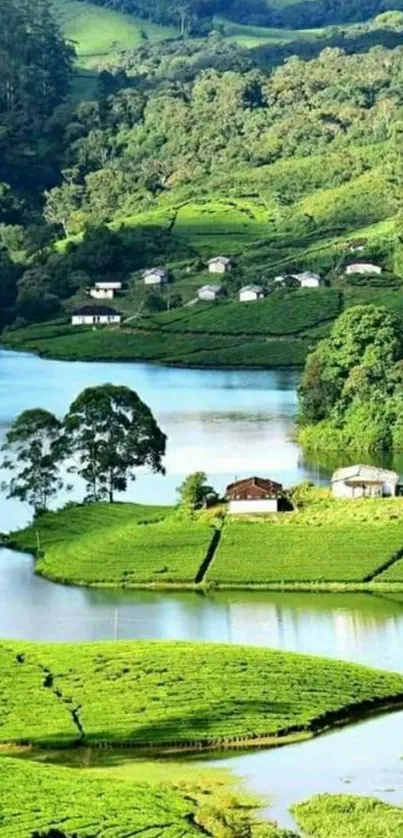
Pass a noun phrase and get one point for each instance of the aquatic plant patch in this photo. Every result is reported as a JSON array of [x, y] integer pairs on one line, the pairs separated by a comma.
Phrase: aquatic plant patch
[[253, 552], [176, 694]]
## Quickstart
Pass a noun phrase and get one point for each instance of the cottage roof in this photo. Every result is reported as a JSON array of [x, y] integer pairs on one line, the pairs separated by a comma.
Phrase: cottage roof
[[224, 260], [267, 485], [357, 243], [160, 271], [257, 289], [214, 289], [363, 473], [362, 265], [95, 311], [108, 285]]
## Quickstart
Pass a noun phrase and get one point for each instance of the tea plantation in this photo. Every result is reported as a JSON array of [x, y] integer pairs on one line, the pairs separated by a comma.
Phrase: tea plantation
[[253, 552], [177, 694], [348, 816]]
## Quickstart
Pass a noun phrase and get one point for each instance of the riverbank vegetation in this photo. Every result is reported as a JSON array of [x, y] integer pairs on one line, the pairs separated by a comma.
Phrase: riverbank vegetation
[[178, 695], [323, 544], [351, 391], [342, 816]]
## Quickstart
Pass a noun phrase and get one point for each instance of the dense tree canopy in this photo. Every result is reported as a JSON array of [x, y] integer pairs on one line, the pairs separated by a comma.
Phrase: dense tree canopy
[[352, 387]]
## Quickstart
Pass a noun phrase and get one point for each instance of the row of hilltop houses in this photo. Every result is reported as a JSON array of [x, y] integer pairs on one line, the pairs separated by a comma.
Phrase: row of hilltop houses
[[260, 495], [159, 276]]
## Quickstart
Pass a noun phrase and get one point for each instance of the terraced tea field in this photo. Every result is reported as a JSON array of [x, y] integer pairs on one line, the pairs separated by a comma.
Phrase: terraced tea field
[[177, 694], [254, 552]]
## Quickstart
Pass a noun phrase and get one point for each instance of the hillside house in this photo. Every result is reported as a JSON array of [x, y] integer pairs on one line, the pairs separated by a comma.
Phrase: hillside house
[[219, 265], [209, 293], [94, 316], [362, 268], [356, 245], [101, 293], [286, 281], [307, 279], [253, 495], [108, 286], [251, 292], [364, 482], [155, 276]]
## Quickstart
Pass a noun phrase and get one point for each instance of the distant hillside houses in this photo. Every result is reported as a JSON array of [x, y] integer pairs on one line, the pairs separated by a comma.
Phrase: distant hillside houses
[[210, 293], [219, 264], [306, 279], [93, 315], [362, 268], [250, 293], [155, 276], [104, 290]]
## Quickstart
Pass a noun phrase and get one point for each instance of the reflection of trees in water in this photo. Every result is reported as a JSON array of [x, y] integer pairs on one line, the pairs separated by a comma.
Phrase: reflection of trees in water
[[322, 464]]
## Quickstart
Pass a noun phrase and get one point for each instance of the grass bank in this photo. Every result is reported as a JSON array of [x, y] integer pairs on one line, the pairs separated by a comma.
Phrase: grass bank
[[348, 816], [324, 545], [169, 696]]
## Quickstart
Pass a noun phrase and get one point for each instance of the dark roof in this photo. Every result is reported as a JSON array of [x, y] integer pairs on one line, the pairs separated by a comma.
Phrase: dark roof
[[357, 242], [269, 486], [95, 310]]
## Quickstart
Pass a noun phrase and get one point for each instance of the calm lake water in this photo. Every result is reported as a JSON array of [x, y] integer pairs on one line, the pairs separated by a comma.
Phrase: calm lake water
[[227, 423]]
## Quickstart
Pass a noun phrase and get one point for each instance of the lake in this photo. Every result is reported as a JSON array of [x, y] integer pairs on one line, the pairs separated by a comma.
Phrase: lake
[[228, 424]]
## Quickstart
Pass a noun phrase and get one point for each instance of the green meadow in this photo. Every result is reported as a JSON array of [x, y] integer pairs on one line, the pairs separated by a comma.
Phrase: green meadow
[[177, 695]]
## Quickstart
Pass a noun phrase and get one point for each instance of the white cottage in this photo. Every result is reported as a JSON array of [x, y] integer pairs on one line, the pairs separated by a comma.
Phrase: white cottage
[[95, 315], [209, 293], [307, 279], [101, 293], [362, 268], [251, 292], [219, 264], [108, 286], [364, 482], [155, 276]]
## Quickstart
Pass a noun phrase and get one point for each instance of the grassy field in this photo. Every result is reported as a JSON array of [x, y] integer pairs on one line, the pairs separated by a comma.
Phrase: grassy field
[[98, 33], [124, 545], [177, 695], [252, 552], [41, 798], [323, 542], [348, 816]]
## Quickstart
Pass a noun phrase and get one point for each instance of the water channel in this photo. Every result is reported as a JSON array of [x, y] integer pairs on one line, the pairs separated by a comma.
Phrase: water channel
[[229, 423]]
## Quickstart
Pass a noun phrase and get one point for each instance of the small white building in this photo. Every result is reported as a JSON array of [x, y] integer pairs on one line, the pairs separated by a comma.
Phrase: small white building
[[209, 293], [251, 292], [108, 286], [219, 264], [155, 276], [357, 245], [307, 279], [364, 482], [101, 293], [253, 495], [362, 268], [94, 316]]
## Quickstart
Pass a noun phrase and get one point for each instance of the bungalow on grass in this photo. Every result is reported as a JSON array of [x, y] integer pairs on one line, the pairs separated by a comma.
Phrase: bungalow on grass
[[307, 279], [155, 276], [362, 268], [364, 482], [253, 495], [210, 292], [219, 264], [251, 292], [94, 315]]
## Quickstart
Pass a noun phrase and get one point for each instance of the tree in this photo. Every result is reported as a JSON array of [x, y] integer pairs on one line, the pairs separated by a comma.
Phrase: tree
[[112, 432], [193, 491], [35, 448]]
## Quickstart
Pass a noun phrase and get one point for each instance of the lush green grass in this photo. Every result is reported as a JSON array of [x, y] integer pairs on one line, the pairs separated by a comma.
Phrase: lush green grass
[[348, 816], [39, 798], [176, 694], [99, 33], [123, 545], [394, 573], [252, 552], [123, 344]]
